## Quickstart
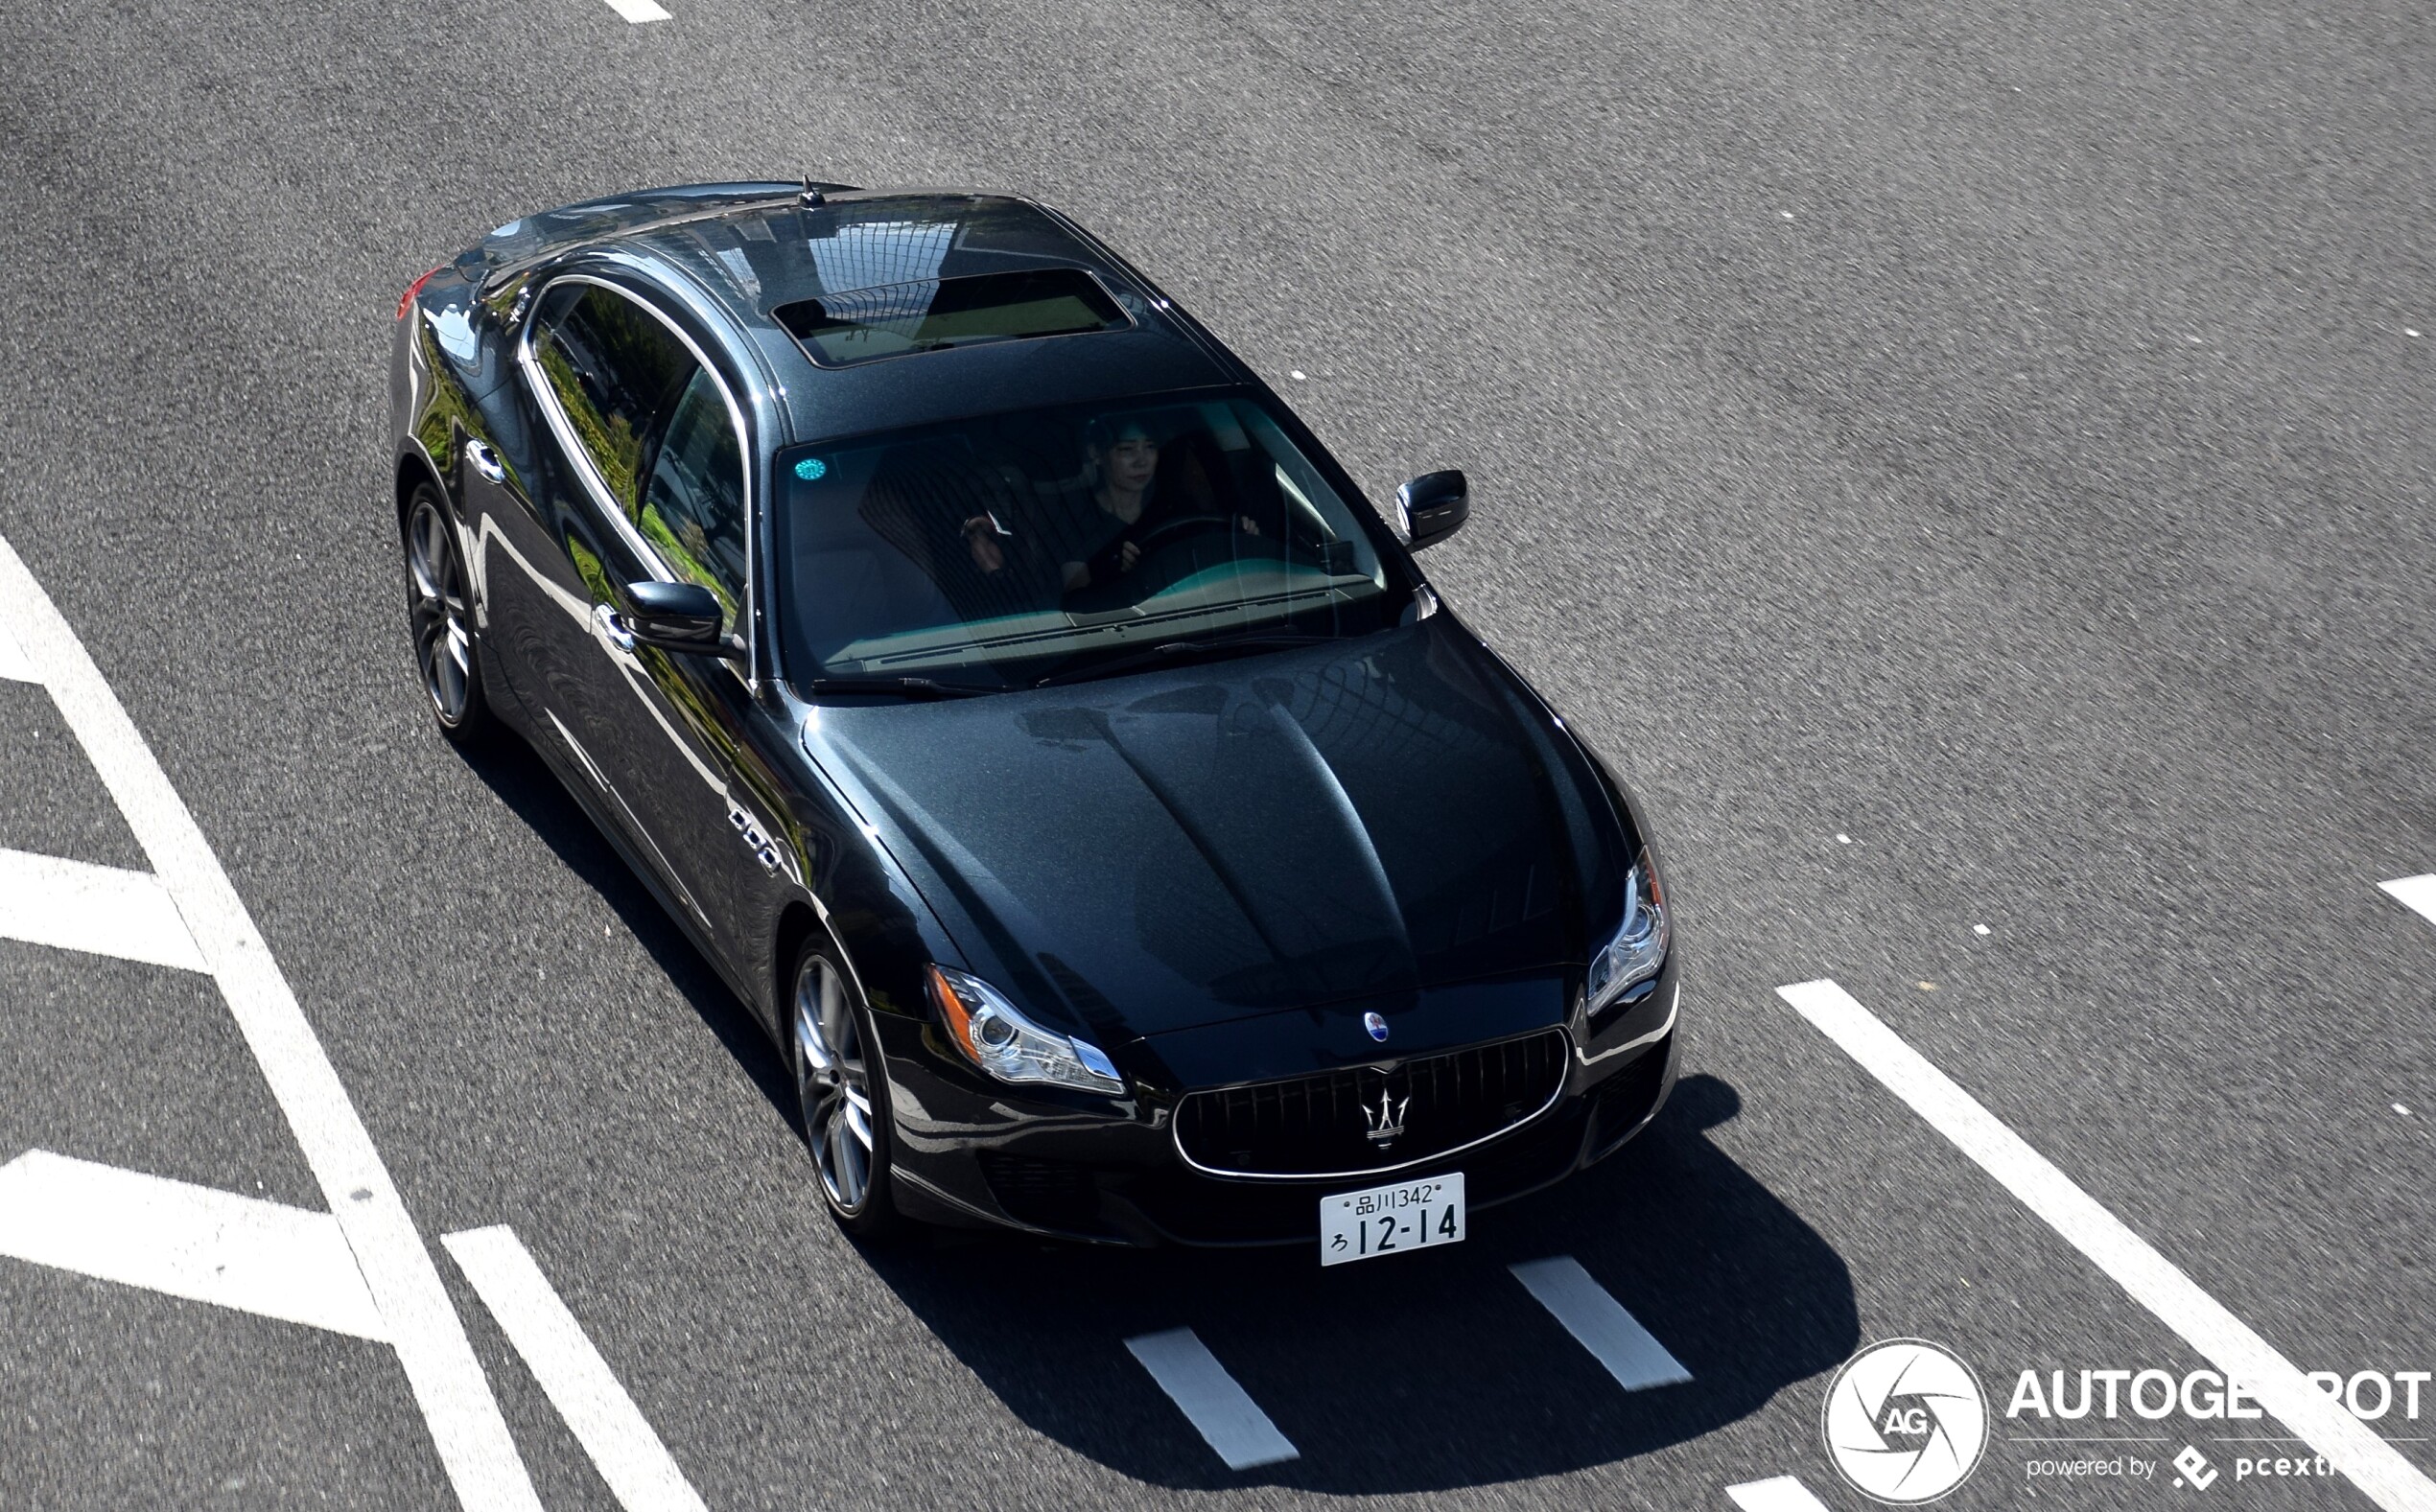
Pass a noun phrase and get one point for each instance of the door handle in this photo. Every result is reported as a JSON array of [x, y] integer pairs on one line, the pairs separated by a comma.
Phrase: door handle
[[612, 626], [486, 462]]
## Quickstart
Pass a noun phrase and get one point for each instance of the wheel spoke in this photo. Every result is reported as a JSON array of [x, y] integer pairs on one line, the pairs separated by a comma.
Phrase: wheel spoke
[[425, 556], [836, 1022], [445, 678], [810, 1046], [849, 1165], [435, 540]]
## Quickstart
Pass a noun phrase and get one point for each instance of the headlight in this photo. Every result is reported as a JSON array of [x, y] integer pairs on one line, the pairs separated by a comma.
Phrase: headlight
[[1009, 1046], [1639, 947]]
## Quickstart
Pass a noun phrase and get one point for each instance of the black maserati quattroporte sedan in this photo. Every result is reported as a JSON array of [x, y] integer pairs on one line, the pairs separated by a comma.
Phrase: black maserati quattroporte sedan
[[1028, 717]]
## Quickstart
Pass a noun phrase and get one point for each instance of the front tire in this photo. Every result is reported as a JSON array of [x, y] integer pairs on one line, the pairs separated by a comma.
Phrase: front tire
[[842, 1088], [440, 613]]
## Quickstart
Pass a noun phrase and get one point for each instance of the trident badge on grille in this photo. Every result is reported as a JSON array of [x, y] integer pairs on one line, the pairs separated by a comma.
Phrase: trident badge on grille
[[1386, 1119]]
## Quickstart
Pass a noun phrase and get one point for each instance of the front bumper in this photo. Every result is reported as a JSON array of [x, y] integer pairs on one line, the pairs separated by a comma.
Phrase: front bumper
[[1106, 1180]]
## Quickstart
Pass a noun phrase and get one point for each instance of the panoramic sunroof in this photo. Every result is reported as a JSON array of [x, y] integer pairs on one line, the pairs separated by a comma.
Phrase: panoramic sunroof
[[934, 313]]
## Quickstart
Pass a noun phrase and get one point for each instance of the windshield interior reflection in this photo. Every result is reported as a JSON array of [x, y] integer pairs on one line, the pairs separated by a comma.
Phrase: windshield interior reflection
[[995, 553]]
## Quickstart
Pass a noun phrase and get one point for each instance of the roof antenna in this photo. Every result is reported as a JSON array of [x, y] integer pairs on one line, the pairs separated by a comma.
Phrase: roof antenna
[[812, 197]]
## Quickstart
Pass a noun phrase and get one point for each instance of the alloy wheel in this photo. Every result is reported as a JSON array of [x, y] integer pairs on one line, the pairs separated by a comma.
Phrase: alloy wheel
[[832, 1080], [436, 606]]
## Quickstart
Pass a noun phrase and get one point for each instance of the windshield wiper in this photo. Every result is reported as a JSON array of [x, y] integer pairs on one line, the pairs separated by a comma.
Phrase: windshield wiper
[[1171, 650], [909, 687]]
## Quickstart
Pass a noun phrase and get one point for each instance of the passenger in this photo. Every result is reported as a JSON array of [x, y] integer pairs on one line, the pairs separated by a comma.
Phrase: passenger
[[913, 501], [985, 536]]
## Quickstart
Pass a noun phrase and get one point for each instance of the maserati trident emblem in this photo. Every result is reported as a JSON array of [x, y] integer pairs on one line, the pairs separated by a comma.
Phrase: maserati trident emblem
[[1386, 1119], [1376, 1025]]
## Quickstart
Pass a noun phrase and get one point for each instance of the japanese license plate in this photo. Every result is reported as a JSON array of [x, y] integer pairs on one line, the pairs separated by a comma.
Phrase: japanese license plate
[[1409, 1215]]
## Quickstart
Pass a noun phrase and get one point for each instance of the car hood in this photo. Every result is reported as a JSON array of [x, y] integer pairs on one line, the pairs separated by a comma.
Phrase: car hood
[[1348, 824]]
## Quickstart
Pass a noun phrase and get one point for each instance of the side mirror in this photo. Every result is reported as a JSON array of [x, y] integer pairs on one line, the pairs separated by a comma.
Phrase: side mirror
[[1432, 508], [675, 616]]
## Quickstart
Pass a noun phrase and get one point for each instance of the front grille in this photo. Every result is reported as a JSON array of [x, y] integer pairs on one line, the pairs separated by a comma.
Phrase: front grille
[[1182, 1206], [1325, 1124]]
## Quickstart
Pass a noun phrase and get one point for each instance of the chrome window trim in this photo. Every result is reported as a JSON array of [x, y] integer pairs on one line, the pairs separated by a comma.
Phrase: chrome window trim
[[1176, 1126], [599, 487]]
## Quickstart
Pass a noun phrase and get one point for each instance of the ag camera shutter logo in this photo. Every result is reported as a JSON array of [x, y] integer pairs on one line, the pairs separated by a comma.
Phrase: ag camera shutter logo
[[1905, 1421]]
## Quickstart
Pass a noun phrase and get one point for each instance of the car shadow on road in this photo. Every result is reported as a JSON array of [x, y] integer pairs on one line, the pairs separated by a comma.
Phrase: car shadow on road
[[511, 769], [1425, 1372]]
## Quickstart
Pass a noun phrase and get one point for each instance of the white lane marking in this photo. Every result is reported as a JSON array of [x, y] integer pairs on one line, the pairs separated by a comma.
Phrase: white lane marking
[[2417, 894], [1783, 1494], [637, 10], [101, 910], [1221, 1411], [191, 1241], [15, 664], [2152, 1280], [612, 1429], [421, 1323], [1600, 1324]]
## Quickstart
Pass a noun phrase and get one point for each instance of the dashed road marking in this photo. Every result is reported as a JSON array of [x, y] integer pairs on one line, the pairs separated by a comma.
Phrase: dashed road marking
[[1223, 1411], [1782, 1494], [2418, 893], [100, 909], [637, 11], [191, 1241], [2153, 1281], [578, 1382], [417, 1319], [1600, 1324]]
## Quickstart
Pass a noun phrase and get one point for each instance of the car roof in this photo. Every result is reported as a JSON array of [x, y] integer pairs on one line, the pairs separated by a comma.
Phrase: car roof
[[751, 257]]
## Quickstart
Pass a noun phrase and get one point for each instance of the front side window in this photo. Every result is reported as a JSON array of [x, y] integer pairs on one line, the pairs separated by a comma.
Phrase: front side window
[[655, 426], [693, 508], [995, 553]]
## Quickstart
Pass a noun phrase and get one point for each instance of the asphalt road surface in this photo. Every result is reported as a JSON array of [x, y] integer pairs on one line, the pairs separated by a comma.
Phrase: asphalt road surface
[[1971, 468]]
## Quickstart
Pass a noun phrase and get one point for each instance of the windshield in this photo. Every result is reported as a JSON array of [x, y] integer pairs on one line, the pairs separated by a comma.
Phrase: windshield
[[994, 553]]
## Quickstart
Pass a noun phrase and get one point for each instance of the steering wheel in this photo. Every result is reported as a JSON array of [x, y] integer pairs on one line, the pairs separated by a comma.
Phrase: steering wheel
[[1179, 524]]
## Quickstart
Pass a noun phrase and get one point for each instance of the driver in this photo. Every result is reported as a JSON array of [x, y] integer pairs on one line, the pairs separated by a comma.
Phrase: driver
[[1136, 488], [1139, 487], [1120, 464]]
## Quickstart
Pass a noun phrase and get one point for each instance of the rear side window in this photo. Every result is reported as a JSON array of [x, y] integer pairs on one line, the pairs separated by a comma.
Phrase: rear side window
[[616, 373]]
